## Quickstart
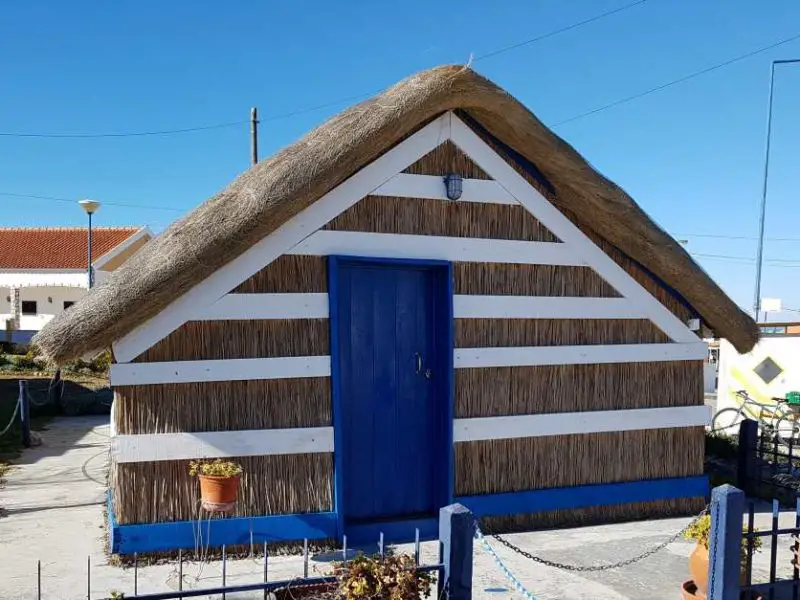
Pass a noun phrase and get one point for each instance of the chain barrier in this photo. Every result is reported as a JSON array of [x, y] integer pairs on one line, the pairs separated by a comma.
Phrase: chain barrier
[[606, 567], [11, 422], [500, 565], [34, 402], [712, 557]]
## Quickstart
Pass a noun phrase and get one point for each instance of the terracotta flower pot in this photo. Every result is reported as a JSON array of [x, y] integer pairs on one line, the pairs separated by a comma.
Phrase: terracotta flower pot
[[698, 568], [219, 494]]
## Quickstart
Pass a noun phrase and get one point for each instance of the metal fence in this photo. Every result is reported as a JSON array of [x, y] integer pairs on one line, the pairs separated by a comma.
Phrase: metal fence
[[768, 464], [732, 549], [457, 528]]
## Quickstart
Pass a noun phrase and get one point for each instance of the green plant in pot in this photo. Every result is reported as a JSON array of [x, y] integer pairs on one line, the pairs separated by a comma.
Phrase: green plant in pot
[[700, 531], [219, 483]]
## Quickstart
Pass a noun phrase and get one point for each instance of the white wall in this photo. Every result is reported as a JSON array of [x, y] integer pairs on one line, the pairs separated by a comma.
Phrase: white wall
[[49, 303], [736, 370]]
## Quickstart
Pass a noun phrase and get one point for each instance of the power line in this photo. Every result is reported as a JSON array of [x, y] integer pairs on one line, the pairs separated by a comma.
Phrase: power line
[[664, 86], [732, 237], [120, 134], [775, 262], [318, 106], [555, 32], [73, 201]]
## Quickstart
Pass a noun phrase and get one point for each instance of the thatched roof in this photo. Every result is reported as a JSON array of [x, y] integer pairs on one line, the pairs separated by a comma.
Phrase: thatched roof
[[276, 189]]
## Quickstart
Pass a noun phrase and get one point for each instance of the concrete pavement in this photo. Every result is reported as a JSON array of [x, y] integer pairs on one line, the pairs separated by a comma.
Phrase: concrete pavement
[[54, 502]]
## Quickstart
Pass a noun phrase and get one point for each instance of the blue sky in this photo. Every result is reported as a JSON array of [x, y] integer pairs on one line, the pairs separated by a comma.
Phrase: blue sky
[[691, 155]]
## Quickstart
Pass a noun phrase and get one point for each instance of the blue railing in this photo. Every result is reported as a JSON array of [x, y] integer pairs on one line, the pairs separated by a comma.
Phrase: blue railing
[[732, 547], [454, 571]]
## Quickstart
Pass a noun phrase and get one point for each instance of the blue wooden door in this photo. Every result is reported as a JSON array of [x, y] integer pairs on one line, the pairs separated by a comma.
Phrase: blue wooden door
[[393, 398]]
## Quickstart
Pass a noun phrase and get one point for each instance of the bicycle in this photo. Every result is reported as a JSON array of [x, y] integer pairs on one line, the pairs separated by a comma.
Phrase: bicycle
[[781, 418]]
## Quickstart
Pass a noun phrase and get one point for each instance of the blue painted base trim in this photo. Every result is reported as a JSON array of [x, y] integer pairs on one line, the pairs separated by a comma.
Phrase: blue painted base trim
[[155, 537], [113, 538], [394, 532], [586, 495]]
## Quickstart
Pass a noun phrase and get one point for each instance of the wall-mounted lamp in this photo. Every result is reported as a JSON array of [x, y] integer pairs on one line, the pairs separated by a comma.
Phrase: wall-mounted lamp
[[453, 183]]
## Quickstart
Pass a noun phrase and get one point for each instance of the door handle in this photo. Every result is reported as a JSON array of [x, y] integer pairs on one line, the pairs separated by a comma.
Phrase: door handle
[[418, 357]]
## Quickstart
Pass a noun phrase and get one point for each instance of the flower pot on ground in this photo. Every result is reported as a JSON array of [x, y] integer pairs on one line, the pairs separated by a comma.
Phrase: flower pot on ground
[[699, 559], [219, 483]]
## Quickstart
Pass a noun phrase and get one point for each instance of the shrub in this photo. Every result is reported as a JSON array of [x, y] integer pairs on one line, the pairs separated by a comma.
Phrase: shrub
[[29, 360], [700, 529], [214, 468], [387, 578]]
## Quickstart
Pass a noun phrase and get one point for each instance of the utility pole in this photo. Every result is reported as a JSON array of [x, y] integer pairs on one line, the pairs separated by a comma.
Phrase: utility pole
[[254, 135], [763, 206]]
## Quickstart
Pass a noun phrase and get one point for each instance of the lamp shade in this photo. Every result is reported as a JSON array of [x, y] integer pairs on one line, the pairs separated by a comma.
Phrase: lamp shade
[[90, 206]]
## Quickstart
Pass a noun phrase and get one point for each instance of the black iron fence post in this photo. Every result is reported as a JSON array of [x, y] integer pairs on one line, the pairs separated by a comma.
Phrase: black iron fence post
[[25, 413], [747, 466], [456, 533]]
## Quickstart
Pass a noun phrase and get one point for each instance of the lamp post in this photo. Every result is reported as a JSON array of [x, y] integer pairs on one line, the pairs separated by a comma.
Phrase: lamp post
[[763, 206], [90, 206]]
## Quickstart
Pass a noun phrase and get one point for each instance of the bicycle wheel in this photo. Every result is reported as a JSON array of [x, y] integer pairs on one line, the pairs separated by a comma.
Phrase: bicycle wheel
[[726, 421], [787, 431]]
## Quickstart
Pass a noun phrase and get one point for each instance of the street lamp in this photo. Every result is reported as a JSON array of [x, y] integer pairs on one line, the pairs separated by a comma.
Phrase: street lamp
[[90, 206], [763, 207]]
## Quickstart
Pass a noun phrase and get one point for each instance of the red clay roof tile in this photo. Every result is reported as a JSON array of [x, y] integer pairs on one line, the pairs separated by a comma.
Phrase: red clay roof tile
[[56, 247]]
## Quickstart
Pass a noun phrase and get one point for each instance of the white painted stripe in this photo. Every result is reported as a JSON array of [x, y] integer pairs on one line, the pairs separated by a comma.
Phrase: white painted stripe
[[467, 358], [522, 426], [266, 306], [486, 158], [237, 369], [392, 245], [405, 185], [542, 307], [221, 444], [277, 243]]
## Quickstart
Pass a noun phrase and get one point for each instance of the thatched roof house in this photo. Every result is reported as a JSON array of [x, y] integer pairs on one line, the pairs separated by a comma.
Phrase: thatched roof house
[[436, 244]]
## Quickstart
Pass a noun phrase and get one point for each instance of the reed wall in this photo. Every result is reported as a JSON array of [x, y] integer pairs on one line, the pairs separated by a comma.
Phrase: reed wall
[[150, 492], [492, 333], [581, 517], [199, 340], [446, 159], [497, 279], [493, 466], [223, 405], [289, 274], [380, 214], [163, 491], [501, 391]]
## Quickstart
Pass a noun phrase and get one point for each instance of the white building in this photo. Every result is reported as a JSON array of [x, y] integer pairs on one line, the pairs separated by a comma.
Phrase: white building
[[43, 271]]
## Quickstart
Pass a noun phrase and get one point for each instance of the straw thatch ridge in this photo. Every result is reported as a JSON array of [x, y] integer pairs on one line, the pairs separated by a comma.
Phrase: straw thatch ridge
[[501, 391], [379, 214], [155, 492], [494, 466], [275, 190]]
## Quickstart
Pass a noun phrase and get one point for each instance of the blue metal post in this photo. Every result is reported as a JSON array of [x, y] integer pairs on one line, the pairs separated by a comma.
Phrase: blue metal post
[[725, 543], [456, 533], [25, 413], [746, 461]]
